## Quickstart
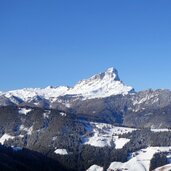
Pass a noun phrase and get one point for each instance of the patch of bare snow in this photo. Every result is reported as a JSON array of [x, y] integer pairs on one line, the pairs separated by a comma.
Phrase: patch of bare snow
[[63, 114], [161, 130], [5, 137], [121, 142], [46, 114], [95, 168], [27, 130], [61, 151], [24, 111]]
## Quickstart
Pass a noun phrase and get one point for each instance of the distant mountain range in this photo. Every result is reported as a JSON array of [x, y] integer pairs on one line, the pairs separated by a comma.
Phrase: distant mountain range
[[98, 86], [98, 121], [102, 97]]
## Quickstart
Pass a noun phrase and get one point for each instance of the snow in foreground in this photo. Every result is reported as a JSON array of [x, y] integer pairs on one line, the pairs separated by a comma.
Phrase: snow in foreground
[[95, 168], [101, 135], [140, 160], [61, 151], [164, 168]]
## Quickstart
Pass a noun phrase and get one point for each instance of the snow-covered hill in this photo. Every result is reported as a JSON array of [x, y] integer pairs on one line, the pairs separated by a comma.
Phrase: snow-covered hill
[[140, 160], [164, 168]]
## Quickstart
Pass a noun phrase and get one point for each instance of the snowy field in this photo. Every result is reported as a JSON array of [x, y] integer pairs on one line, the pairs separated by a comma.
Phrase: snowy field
[[101, 135], [95, 168], [139, 161], [164, 168]]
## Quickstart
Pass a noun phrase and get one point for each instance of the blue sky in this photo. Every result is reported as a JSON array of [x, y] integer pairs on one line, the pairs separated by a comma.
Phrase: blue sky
[[59, 42]]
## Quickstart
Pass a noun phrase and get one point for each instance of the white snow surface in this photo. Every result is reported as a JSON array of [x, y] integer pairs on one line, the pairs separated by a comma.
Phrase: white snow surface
[[27, 130], [149, 97], [101, 85], [5, 137], [121, 142], [161, 130], [140, 160], [164, 168], [28, 94], [101, 135], [24, 111], [46, 114], [63, 114], [61, 151], [98, 86], [95, 168]]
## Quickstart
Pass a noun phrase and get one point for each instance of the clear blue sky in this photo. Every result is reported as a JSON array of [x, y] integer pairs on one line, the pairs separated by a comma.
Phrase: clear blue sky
[[58, 42]]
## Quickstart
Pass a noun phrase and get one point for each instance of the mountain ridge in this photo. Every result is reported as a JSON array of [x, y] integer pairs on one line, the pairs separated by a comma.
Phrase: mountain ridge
[[100, 85], [83, 127]]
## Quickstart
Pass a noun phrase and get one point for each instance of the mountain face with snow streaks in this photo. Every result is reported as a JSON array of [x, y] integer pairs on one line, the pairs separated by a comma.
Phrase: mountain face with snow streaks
[[99, 124], [98, 86], [102, 97]]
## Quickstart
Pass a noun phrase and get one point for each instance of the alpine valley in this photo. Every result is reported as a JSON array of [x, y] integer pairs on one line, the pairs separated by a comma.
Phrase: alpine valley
[[100, 124]]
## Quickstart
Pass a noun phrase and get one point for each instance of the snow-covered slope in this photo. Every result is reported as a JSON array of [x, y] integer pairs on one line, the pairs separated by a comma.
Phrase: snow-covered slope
[[164, 168], [5, 137], [99, 86], [27, 94], [101, 135], [140, 160], [95, 168], [24, 111]]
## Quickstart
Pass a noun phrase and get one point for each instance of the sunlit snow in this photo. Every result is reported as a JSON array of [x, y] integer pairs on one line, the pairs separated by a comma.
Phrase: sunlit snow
[[95, 168], [101, 135], [24, 111], [164, 168], [61, 151], [5, 137], [98, 86], [140, 160]]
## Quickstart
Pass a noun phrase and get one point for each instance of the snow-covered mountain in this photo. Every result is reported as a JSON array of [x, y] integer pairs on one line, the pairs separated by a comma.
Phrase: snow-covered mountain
[[98, 86], [97, 125], [101, 85]]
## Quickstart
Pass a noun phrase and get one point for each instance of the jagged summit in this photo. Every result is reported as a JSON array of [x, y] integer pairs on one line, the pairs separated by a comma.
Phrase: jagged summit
[[101, 85], [110, 73], [113, 73]]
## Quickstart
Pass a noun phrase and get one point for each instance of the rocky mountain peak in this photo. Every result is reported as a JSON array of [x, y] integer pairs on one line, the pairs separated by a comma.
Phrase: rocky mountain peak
[[112, 72], [101, 85]]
